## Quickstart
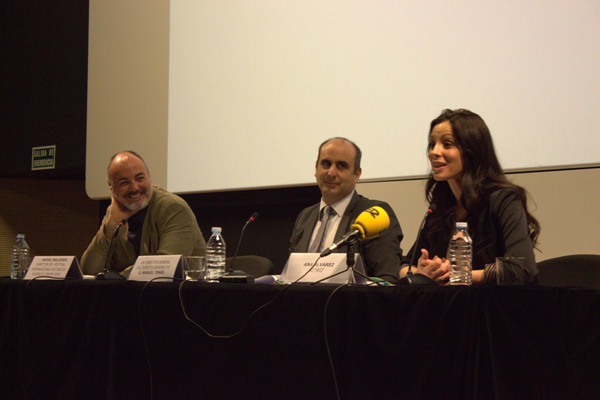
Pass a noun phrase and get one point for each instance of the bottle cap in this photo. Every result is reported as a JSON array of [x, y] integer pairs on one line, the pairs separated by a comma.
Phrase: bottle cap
[[20, 236], [216, 229], [461, 224]]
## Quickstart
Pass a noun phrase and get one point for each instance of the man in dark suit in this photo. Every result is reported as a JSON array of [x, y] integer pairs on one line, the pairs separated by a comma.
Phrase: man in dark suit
[[337, 171]]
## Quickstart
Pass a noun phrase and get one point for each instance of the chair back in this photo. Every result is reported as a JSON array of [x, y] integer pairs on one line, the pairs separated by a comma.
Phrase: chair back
[[253, 265], [575, 270]]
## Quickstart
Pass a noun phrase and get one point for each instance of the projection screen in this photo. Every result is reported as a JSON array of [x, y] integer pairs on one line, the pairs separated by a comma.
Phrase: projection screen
[[253, 87]]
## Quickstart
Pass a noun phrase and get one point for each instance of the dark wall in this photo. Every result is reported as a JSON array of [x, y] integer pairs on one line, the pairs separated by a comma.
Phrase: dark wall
[[269, 235], [43, 85]]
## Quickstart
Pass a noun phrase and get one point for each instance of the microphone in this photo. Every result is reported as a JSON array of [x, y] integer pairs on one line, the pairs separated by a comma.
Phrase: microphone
[[369, 224], [108, 274], [250, 220], [232, 275], [418, 279]]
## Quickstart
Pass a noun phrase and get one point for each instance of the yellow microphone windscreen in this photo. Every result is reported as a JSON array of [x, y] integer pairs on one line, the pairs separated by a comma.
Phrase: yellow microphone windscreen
[[371, 222]]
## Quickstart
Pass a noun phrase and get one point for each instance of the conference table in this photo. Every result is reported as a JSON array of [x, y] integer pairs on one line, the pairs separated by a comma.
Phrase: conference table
[[85, 339]]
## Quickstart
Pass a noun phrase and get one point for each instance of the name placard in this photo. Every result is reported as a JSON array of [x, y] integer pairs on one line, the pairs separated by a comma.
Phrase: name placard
[[331, 269], [54, 267], [147, 268]]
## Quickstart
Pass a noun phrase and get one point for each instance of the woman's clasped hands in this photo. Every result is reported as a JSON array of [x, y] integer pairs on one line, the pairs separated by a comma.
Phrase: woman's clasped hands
[[435, 268]]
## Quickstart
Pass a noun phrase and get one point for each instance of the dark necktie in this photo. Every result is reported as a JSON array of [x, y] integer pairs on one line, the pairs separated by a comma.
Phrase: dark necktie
[[315, 245]]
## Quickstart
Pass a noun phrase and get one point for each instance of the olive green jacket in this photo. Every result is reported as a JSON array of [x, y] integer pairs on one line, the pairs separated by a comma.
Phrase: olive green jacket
[[170, 227]]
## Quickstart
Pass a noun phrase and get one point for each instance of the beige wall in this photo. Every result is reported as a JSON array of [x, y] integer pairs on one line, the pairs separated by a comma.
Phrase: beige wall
[[565, 203], [128, 86]]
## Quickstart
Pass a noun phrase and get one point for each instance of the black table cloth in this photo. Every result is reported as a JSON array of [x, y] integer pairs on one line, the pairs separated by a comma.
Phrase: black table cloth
[[128, 340]]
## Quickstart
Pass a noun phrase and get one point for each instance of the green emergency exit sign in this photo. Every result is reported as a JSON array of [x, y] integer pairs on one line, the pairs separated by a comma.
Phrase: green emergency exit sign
[[43, 157]]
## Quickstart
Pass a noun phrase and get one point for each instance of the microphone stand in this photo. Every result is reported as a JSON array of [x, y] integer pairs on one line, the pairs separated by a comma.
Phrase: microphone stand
[[107, 274], [230, 270], [349, 260], [350, 263], [417, 279], [235, 276]]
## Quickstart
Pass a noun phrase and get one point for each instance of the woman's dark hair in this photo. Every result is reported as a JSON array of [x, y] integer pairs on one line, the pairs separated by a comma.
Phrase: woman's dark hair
[[482, 173]]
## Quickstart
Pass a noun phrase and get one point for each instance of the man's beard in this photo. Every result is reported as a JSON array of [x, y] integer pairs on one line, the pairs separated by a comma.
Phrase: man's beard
[[140, 205]]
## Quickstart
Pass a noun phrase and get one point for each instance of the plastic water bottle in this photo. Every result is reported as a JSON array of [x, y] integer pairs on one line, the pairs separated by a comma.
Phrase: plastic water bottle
[[20, 258], [215, 255], [461, 256]]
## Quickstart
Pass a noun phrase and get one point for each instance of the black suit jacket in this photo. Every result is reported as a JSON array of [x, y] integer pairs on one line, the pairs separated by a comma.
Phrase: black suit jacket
[[499, 229], [381, 255]]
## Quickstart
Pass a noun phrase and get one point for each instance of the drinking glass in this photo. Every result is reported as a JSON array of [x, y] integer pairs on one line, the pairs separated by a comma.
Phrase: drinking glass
[[195, 268]]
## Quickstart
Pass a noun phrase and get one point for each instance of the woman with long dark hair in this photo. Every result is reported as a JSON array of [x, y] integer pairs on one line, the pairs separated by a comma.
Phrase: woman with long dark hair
[[466, 183]]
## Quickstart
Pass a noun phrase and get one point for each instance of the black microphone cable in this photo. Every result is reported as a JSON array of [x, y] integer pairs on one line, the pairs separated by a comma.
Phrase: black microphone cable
[[327, 345], [248, 318], [226, 336], [142, 331]]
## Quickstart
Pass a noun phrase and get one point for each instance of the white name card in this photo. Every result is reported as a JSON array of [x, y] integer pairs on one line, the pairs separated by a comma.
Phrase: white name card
[[54, 267], [147, 268], [330, 269]]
